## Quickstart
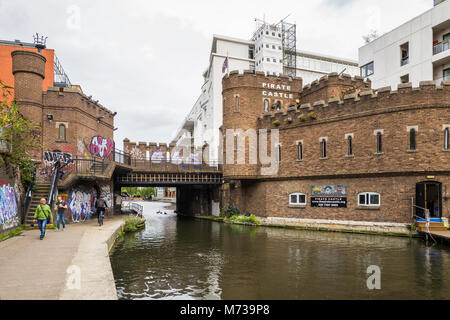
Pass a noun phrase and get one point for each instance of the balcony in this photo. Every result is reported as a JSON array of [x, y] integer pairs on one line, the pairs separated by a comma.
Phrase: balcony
[[439, 81], [441, 47]]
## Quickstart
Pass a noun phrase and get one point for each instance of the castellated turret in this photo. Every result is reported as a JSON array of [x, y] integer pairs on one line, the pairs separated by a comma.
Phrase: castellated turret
[[245, 97], [29, 72]]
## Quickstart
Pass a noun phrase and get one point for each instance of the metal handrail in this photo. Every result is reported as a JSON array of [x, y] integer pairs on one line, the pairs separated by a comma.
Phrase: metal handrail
[[52, 192], [28, 197]]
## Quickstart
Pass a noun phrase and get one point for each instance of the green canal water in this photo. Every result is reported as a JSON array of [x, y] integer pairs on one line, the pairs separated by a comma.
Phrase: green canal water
[[182, 258]]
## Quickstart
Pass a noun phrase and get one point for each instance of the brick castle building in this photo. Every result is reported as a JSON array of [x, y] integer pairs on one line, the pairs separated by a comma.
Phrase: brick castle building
[[345, 153], [72, 125]]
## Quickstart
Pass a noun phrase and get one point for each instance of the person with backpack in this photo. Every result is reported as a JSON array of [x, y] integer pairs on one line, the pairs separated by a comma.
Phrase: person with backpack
[[43, 215], [101, 206]]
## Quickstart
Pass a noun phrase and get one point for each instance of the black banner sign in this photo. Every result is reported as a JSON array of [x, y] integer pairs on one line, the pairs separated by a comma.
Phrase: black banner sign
[[326, 202]]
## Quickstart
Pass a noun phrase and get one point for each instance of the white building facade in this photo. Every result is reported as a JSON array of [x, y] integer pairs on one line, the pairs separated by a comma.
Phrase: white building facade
[[416, 51], [263, 53]]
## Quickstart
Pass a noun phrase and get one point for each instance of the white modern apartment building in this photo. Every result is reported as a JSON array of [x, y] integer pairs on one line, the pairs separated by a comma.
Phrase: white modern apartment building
[[264, 52], [418, 50]]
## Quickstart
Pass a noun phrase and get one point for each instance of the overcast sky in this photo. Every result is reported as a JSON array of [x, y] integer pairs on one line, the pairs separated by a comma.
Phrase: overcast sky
[[145, 59]]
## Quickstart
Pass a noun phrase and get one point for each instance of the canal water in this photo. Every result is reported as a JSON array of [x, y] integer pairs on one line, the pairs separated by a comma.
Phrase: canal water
[[183, 258]]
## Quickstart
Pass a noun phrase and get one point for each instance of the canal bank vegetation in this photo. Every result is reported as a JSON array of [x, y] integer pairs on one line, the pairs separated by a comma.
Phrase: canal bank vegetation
[[15, 232], [132, 224], [233, 215]]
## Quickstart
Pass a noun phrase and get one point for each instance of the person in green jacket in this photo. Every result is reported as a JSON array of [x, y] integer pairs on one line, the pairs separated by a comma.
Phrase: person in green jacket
[[43, 212]]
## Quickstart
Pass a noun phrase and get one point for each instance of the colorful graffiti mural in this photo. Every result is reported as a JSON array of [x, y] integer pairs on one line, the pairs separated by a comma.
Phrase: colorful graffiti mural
[[329, 190], [81, 202], [47, 169], [158, 156], [105, 194], [8, 206], [102, 147]]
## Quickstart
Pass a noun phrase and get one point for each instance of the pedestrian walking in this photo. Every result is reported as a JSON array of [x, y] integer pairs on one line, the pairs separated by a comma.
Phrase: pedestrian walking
[[58, 167], [43, 215], [61, 207]]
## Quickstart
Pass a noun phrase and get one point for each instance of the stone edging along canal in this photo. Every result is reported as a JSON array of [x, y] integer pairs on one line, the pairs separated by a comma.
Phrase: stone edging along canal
[[93, 265], [385, 229]]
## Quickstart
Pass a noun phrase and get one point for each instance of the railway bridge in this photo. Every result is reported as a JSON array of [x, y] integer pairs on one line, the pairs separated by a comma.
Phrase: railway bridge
[[197, 184]]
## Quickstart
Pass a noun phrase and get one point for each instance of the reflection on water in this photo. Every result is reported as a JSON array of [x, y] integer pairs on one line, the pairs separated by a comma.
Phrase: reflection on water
[[182, 258]]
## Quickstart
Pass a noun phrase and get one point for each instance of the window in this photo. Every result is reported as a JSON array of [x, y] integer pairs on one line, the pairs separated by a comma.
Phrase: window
[[379, 142], [279, 153], [278, 102], [446, 74], [266, 105], [323, 148], [237, 104], [404, 79], [369, 199], [62, 132], [297, 199], [412, 139], [300, 150], [367, 70], [404, 54], [446, 139], [349, 145], [267, 46]]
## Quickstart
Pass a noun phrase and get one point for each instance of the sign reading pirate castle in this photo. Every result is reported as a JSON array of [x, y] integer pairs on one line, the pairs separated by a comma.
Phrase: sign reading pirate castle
[[276, 90]]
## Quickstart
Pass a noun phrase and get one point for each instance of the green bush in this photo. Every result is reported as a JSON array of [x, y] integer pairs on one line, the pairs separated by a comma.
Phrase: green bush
[[132, 224], [312, 115], [301, 117], [251, 219], [276, 123], [229, 212]]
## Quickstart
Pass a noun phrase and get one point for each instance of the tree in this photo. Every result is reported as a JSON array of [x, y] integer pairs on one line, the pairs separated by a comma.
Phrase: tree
[[18, 136]]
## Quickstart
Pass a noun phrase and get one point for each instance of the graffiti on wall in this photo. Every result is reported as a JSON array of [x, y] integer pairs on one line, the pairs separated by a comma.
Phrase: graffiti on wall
[[158, 156], [8, 206], [102, 147], [81, 202], [136, 153], [51, 157], [47, 168], [105, 194]]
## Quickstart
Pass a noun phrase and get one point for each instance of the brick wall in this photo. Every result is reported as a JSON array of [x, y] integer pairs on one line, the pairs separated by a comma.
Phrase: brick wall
[[393, 173]]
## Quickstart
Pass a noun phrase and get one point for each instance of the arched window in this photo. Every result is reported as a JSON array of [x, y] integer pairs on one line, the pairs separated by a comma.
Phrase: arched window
[[447, 139], [350, 145], [412, 139], [297, 199], [237, 103], [300, 151], [279, 153], [379, 142], [266, 105], [62, 132], [369, 199], [323, 148], [278, 105]]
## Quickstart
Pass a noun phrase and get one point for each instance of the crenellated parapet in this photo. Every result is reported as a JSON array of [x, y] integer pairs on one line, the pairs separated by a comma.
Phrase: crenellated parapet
[[361, 103], [333, 86], [75, 98], [249, 78], [156, 151]]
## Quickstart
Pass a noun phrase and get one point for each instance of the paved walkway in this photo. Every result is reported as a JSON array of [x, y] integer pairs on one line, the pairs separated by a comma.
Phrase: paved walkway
[[32, 269]]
